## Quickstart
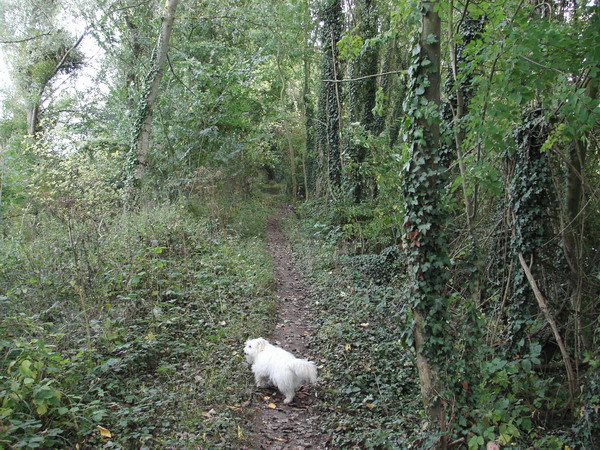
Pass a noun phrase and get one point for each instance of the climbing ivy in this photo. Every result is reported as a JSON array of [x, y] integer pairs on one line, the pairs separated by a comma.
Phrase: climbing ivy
[[531, 199], [425, 180], [329, 114], [362, 93], [425, 222]]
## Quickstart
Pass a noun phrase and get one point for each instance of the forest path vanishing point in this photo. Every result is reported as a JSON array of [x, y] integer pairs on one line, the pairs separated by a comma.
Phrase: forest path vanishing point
[[294, 426]]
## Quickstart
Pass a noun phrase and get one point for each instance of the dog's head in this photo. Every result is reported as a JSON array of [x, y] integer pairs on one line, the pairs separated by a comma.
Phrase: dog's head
[[253, 347]]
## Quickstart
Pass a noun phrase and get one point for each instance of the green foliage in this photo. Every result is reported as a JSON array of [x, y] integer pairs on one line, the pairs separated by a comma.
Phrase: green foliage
[[507, 397], [130, 317], [107, 323], [369, 379], [350, 46]]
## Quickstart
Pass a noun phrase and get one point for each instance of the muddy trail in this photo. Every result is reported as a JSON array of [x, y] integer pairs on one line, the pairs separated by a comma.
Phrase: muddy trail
[[293, 426]]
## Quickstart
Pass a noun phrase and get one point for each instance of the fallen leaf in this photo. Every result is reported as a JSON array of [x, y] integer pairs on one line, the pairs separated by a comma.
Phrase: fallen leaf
[[371, 405], [365, 324], [492, 446], [240, 433], [207, 415], [279, 439], [104, 432], [348, 347], [272, 406]]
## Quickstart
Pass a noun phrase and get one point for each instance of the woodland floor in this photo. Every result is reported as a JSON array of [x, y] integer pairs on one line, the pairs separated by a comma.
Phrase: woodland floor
[[293, 426]]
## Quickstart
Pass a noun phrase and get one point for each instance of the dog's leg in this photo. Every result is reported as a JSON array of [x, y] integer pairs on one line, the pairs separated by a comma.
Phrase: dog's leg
[[289, 396], [261, 381], [285, 382]]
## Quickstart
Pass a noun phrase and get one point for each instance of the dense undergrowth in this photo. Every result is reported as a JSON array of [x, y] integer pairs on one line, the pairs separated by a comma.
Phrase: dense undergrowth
[[371, 386], [123, 329], [369, 381]]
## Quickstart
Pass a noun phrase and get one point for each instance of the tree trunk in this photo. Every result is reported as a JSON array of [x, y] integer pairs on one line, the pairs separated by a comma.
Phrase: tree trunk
[[425, 241], [574, 230], [330, 98], [33, 119], [136, 50], [361, 97], [141, 140], [306, 108]]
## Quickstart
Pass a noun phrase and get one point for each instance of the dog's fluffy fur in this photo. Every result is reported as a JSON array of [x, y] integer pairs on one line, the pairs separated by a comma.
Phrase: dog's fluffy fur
[[273, 365]]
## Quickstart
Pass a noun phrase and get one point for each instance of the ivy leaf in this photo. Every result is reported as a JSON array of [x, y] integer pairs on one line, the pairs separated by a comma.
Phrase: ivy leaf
[[431, 39]]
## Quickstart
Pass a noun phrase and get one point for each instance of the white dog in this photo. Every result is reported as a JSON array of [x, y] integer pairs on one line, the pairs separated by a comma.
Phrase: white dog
[[273, 365]]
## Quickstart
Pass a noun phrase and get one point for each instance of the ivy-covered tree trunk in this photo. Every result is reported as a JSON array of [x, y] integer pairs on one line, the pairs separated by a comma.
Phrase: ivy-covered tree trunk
[[330, 101], [361, 97], [143, 123], [530, 199], [532, 204], [308, 156], [426, 219]]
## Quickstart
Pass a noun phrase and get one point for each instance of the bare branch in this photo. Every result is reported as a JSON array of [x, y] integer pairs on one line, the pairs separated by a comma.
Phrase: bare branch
[[544, 308], [366, 76], [18, 41], [64, 58], [129, 7]]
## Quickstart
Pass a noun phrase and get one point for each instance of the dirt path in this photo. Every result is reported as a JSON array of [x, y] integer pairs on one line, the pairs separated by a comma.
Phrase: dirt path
[[293, 426]]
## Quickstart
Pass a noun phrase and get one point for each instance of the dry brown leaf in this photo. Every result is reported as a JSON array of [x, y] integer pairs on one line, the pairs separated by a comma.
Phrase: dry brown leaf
[[104, 432]]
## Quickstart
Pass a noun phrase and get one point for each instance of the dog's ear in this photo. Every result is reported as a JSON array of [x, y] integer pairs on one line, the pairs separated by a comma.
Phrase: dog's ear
[[260, 344]]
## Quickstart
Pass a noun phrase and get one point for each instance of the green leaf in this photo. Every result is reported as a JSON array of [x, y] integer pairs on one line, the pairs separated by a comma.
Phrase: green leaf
[[431, 39]]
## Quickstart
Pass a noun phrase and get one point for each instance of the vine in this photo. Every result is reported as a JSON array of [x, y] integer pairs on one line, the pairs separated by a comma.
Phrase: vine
[[425, 240], [329, 114], [531, 199]]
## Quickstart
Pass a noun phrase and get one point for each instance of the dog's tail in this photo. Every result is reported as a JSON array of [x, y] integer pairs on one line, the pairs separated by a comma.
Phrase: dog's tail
[[304, 369]]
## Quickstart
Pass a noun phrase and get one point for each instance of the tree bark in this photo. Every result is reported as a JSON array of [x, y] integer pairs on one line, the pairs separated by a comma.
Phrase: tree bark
[[306, 108], [425, 241], [141, 141], [33, 118], [361, 97], [329, 114]]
